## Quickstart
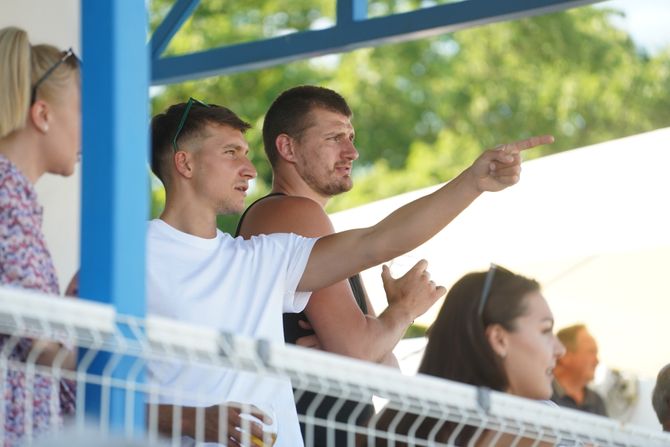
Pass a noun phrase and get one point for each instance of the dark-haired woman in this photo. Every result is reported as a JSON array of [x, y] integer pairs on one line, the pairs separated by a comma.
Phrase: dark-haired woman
[[495, 330]]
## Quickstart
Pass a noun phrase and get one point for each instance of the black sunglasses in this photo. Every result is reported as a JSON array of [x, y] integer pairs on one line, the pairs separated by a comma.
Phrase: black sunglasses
[[486, 290], [184, 115], [66, 55]]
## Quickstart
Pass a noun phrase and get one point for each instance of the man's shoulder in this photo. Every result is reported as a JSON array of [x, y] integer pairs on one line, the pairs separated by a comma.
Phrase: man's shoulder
[[286, 214], [594, 396], [283, 203]]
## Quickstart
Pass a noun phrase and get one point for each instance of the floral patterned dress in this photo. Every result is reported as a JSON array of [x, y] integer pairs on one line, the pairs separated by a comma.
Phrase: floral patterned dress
[[25, 262]]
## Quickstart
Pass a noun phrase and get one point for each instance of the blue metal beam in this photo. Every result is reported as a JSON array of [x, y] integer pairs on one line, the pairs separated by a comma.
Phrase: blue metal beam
[[351, 11], [171, 24], [350, 35], [115, 184]]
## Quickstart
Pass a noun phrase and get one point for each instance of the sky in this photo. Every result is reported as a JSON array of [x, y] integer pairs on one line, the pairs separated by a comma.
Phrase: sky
[[648, 21]]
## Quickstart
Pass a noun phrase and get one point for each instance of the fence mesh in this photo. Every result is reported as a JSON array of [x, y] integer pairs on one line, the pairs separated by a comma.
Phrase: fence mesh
[[118, 356]]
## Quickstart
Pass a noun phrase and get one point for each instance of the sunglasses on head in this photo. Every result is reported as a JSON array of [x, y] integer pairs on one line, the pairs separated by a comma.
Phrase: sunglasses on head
[[184, 115], [486, 290], [65, 56]]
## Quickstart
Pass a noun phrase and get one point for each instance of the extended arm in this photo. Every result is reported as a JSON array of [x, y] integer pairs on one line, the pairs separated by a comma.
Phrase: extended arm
[[339, 324], [340, 255]]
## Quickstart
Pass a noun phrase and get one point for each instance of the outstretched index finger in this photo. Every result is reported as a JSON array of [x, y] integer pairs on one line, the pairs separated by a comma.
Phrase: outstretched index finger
[[528, 143]]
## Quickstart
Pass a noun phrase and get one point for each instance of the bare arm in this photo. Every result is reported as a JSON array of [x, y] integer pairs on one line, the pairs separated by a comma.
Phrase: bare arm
[[374, 340], [339, 324], [340, 255], [389, 359]]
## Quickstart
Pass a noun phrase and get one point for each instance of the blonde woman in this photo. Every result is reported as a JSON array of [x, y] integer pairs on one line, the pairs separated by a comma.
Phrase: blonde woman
[[40, 122]]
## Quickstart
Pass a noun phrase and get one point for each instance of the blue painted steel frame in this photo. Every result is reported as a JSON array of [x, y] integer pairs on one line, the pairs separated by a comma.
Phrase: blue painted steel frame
[[352, 31], [179, 13], [115, 195], [351, 11]]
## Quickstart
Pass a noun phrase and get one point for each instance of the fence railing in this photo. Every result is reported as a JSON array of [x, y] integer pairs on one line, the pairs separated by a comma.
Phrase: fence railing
[[110, 399]]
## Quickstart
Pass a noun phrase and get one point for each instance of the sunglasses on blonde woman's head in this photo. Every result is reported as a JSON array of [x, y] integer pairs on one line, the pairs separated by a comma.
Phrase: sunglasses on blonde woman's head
[[184, 115], [64, 57]]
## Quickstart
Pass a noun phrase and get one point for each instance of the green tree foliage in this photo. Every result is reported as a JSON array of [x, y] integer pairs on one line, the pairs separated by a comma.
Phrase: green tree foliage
[[425, 109]]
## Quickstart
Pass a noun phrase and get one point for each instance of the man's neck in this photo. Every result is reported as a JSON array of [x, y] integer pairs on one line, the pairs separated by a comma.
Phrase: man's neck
[[189, 217], [572, 386], [296, 186]]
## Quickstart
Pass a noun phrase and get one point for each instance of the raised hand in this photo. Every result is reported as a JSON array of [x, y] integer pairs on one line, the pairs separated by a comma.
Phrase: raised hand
[[414, 291], [500, 167]]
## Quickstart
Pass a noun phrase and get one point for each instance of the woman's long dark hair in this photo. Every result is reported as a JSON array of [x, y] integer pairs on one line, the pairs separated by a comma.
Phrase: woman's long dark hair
[[457, 346]]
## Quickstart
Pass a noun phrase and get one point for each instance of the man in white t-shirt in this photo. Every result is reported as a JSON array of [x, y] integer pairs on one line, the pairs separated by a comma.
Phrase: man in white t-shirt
[[199, 275]]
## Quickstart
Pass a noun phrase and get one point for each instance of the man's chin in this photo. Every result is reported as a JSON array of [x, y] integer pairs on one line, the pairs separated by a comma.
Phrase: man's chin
[[344, 187], [232, 209]]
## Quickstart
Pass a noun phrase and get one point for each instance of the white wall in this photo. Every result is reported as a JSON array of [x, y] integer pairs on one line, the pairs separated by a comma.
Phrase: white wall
[[56, 23]]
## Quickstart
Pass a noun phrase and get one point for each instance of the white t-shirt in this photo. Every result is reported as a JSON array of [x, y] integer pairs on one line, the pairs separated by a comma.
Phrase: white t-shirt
[[232, 285]]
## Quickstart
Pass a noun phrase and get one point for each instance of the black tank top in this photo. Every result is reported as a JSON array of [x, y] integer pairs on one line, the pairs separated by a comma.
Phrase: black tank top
[[292, 331]]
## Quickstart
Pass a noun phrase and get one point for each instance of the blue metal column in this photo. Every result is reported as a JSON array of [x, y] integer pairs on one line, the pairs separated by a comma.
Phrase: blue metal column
[[114, 185]]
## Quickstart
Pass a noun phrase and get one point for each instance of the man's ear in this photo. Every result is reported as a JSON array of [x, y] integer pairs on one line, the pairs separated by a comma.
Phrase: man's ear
[[183, 163], [40, 115], [285, 147], [498, 338]]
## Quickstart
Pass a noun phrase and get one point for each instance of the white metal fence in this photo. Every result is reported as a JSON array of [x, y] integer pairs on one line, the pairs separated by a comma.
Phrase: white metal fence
[[417, 411]]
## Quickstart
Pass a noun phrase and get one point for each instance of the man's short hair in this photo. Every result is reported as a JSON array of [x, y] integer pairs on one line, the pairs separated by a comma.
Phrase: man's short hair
[[568, 336], [660, 397], [289, 114], [164, 127]]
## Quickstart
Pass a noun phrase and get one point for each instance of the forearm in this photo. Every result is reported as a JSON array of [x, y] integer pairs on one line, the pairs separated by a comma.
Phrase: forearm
[[391, 325], [415, 223], [342, 328], [400, 232], [366, 337], [372, 342], [188, 420], [385, 331]]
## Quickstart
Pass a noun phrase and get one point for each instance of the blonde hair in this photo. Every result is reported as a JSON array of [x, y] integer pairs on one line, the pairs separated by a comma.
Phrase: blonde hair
[[23, 65]]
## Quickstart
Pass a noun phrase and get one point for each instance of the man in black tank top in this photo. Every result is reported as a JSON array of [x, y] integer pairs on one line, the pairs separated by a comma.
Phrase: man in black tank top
[[308, 138]]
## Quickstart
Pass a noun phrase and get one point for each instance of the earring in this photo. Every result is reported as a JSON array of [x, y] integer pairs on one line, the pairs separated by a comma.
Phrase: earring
[[45, 128]]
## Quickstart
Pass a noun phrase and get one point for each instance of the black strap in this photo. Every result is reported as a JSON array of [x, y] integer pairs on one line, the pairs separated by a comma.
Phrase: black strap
[[244, 214], [359, 292]]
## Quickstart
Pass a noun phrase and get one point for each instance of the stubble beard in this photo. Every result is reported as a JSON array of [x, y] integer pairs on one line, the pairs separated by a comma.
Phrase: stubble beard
[[326, 184], [327, 189], [229, 206]]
